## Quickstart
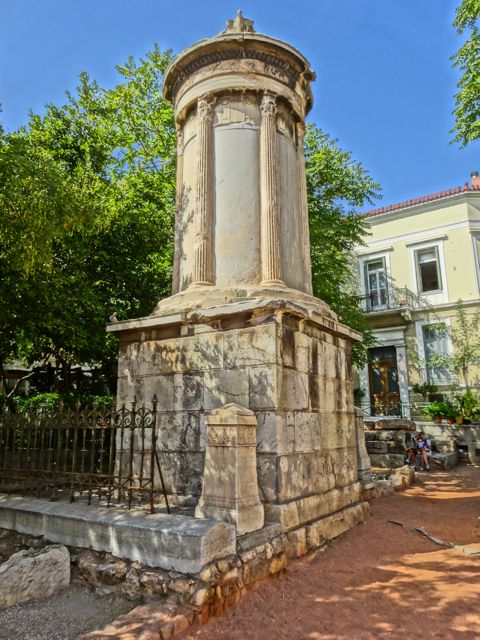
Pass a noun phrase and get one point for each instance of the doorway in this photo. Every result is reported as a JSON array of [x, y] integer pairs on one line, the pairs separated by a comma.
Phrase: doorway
[[383, 379]]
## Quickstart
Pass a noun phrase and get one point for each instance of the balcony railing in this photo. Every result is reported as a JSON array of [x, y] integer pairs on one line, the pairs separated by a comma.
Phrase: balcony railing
[[395, 299]]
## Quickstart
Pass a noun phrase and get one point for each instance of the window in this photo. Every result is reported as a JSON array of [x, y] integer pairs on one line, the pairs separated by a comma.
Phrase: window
[[376, 283], [476, 251], [436, 344], [428, 270]]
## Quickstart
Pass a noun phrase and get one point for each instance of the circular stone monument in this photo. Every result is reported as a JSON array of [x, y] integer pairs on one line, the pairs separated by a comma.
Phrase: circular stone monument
[[240, 103], [242, 327]]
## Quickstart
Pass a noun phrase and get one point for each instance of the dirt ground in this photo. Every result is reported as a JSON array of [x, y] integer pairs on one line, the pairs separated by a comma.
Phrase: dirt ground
[[380, 580]]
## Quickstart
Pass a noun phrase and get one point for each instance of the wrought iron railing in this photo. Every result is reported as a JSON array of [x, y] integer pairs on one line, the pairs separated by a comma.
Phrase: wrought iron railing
[[412, 410], [394, 298], [80, 453]]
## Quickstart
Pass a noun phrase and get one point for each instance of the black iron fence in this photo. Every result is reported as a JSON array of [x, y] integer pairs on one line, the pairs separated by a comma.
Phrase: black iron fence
[[104, 453]]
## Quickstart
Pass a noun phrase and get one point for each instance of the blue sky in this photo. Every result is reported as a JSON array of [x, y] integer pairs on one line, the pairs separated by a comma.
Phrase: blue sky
[[384, 81]]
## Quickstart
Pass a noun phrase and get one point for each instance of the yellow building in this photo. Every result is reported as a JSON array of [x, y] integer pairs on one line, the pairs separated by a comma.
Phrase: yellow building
[[422, 256]]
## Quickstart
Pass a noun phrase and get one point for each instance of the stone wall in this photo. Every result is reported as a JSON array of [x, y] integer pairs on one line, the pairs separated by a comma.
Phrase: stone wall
[[292, 372], [447, 438]]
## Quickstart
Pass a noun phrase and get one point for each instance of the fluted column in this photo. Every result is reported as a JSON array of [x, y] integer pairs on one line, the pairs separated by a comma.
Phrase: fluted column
[[202, 263], [269, 225], [302, 187], [179, 210]]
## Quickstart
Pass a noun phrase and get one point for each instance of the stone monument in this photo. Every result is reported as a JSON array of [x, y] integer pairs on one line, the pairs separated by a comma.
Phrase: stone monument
[[242, 325]]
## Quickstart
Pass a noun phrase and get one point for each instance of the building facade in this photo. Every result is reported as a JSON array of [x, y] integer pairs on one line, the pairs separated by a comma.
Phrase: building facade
[[421, 257]]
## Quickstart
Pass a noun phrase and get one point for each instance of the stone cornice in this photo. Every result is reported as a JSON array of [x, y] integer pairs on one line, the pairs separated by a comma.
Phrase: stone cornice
[[280, 60]]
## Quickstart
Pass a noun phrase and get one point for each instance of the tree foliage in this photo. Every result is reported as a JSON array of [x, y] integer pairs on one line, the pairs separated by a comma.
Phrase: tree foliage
[[87, 197], [111, 156], [467, 61], [337, 186]]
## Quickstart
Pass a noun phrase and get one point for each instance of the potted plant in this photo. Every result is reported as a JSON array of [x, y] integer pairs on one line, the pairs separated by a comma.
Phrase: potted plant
[[467, 407], [451, 412], [436, 411], [358, 395]]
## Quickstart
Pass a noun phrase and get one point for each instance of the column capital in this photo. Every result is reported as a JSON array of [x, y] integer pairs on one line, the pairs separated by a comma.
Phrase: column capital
[[205, 107], [268, 105]]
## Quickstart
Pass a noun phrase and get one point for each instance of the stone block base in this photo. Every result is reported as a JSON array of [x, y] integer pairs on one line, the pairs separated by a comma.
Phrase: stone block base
[[444, 460], [171, 542], [320, 532], [246, 519], [306, 510], [288, 364]]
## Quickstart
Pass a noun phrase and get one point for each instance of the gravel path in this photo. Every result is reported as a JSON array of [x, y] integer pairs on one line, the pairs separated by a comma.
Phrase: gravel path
[[61, 617]]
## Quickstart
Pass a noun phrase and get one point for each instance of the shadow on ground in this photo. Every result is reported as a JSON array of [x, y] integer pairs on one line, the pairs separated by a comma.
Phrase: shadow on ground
[[380, 580]]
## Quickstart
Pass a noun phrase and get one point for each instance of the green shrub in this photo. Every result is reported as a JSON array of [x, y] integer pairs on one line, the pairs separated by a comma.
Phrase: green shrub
[[52, 401], [438, 409]]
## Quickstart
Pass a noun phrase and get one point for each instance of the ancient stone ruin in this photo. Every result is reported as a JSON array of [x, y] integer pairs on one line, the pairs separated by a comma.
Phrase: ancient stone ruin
[[242, 327]]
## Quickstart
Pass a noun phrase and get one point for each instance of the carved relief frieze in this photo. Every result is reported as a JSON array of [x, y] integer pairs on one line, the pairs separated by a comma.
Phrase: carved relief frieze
[[220, 436], [230, 436], [238, 59]]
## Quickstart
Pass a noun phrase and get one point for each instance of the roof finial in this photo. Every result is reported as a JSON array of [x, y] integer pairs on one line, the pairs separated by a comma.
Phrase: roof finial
[[240, 24]]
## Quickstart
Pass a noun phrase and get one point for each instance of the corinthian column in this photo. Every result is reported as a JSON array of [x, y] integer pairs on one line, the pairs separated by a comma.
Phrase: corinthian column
[[302, 183], [202, 263], [179, 210], [269, 225]]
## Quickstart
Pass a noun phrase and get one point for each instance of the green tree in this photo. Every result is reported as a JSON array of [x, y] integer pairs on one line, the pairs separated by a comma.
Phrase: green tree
[[39, 204], [467, 61], [123, 140], [336, 187]]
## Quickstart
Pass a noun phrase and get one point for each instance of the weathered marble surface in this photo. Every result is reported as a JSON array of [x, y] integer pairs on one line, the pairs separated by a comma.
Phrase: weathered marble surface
[[172, 542], [294, 375], [230, 488]]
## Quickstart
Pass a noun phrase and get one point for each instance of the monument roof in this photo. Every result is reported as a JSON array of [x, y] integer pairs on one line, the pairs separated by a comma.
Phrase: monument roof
[[241, 33]]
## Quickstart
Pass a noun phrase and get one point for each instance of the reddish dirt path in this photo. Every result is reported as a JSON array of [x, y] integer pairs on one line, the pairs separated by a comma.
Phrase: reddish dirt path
[[379, 580]]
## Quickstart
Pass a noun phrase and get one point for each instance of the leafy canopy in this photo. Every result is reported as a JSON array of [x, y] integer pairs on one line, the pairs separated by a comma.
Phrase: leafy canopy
[[467, 61], [337, 186], [111, 157]]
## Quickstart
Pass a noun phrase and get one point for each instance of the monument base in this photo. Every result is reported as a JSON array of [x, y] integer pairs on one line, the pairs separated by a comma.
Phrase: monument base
[[288, 361]]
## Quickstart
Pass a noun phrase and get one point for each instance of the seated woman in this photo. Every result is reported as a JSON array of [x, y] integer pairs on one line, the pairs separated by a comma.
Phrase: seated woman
[[425, 449]]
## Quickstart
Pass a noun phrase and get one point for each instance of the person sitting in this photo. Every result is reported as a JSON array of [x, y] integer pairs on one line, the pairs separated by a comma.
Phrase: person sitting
[[411, 448], [425, 449]]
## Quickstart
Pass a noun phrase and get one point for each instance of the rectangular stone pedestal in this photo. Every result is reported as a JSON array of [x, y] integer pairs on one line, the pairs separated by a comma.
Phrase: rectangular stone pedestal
[[292, 370]]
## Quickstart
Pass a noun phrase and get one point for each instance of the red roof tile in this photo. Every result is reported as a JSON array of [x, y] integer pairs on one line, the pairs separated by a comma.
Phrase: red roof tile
[[432, 196]]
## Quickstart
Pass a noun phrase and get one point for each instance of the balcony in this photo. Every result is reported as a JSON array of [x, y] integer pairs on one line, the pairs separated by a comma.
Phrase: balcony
[[395, 301]]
